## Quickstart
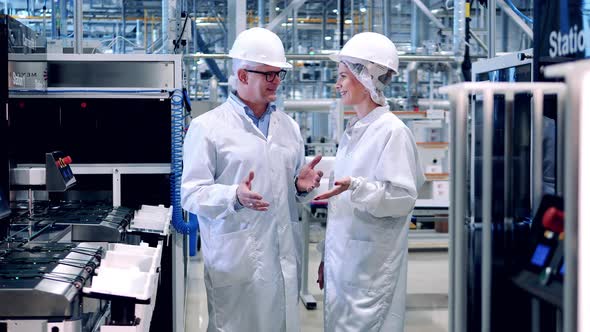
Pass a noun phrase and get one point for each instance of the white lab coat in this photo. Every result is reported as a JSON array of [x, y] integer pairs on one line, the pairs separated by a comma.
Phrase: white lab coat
[[250, 257], [365, 262]]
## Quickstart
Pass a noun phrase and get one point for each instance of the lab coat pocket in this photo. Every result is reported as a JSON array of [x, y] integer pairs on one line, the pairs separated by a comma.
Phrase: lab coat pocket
[[366, 266], [232, 261]]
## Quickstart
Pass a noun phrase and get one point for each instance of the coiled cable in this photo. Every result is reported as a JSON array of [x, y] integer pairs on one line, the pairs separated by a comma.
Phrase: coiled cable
[[177, 132]]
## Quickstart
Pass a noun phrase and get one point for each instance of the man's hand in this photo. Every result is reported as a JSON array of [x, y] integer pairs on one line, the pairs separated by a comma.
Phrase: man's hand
[[247, 197], [341, 186], [309, 178], [321, 275]]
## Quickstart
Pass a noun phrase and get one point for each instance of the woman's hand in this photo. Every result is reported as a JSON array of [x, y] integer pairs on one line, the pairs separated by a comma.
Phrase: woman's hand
[[341, 186]]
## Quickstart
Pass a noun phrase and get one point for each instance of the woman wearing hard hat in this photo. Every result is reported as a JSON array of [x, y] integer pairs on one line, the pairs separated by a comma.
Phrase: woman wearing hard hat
[[378, 176]]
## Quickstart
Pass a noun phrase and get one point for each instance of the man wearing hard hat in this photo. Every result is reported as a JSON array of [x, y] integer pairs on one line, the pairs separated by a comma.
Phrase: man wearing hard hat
[[243, 173]]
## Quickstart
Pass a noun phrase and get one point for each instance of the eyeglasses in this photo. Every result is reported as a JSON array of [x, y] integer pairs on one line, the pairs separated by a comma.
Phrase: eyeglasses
[[270, 75]]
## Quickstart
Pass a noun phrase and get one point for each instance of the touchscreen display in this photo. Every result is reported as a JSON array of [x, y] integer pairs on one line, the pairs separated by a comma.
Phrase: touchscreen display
[[540, 255]]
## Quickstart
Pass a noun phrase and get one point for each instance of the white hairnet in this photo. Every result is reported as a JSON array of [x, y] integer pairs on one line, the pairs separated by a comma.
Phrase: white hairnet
[[238, 64], [373, 77]]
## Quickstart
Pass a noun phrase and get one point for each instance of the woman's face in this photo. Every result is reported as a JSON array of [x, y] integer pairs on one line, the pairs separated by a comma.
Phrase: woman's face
[[352, 92]]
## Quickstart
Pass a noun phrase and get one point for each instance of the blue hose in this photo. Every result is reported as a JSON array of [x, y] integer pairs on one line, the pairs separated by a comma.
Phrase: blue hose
[[176, 166], [519, 13]]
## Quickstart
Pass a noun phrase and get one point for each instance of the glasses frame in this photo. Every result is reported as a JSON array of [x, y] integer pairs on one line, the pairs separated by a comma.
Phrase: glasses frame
[[270, 75]]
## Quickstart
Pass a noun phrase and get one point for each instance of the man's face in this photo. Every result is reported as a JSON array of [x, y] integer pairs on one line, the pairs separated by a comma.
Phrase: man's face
[[257, 87]]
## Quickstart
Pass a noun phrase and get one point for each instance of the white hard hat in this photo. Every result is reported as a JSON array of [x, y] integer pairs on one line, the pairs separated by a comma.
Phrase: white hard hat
[[260, 45], [370, 46]]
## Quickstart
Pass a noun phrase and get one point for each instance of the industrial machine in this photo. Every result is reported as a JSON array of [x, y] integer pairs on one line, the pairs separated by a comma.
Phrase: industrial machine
[[508, 188], [86, 178], [512, 143]]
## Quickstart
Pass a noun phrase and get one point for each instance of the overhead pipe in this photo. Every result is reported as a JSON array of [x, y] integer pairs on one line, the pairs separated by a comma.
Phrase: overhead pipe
[[341, 21], [123, 26], [261, 12], [63, 15], [458, 26], [414, 35], [386, 16], [295, 47], [324, 18], [320, 57], [53, 19], [412, 83], [325, 104], [491, 28], [515, 18], [78, 31], [351, 18], [164, 26]]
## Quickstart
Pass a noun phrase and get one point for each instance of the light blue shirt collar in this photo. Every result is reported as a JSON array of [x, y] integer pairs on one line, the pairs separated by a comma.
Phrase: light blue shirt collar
[[264, 121]]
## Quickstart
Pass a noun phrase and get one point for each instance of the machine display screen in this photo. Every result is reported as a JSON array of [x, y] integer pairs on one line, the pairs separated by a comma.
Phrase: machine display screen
[[562, 269], [540, 255]]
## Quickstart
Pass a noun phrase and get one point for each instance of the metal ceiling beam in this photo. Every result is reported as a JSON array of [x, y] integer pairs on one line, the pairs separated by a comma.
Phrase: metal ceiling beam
[[428, 14], [276, 22]]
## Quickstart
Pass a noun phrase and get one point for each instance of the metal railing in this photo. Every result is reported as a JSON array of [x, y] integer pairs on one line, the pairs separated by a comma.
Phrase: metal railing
[[459, 97]]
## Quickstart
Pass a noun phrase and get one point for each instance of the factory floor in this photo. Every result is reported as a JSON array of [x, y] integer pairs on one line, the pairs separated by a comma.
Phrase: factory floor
[[426, 305]]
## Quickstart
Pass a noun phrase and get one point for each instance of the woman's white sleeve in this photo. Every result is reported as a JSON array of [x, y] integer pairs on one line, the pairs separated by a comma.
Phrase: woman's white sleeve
[[398, 177]]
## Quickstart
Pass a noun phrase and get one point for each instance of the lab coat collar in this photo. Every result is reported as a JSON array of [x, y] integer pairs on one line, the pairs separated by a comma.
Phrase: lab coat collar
[[233, 96], [355, 123], [240, 108]]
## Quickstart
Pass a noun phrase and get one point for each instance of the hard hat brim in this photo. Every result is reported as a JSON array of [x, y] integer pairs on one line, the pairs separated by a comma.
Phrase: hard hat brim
[[337, 57], [334, 57], [278, 64]]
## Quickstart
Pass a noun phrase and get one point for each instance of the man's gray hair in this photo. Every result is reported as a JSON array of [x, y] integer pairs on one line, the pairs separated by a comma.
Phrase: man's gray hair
[[238, 64]]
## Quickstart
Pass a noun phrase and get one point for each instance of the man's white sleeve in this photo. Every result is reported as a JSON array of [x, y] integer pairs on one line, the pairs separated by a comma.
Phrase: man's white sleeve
[[199, 193]]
